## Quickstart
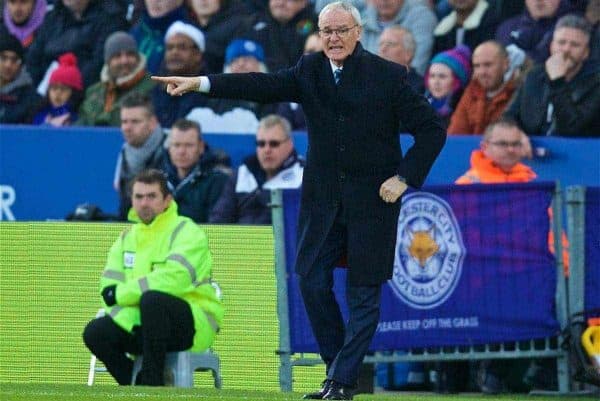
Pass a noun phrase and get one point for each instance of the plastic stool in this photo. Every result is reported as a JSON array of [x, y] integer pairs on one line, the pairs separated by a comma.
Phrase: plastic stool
[[182, 366]]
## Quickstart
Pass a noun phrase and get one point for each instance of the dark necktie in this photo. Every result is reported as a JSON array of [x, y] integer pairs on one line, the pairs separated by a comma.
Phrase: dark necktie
[[337, 75]]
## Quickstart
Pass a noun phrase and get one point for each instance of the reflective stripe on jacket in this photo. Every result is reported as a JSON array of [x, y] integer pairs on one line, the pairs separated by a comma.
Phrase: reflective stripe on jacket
[[170, 255]]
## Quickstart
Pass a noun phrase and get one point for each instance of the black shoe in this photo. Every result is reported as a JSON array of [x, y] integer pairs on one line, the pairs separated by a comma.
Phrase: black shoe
[[318, 395], [337, 391]]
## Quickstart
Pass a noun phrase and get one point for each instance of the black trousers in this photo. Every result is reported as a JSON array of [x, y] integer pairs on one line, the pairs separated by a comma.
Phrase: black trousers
[[342, 346], [167, 325]]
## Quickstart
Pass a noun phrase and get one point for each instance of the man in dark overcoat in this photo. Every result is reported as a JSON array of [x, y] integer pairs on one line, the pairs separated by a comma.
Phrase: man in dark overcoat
[[355, 174]]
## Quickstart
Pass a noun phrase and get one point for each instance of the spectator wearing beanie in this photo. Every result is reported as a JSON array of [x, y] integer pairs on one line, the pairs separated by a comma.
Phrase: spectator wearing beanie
[[17, 94], [149, 32], [446, 78], [235, 116], [64, 94], [124, 72], [184, 56], [244, 56], [23, 18]]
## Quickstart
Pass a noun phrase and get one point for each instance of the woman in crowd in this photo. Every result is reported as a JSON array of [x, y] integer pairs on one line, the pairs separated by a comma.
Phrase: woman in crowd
[[445, 79]]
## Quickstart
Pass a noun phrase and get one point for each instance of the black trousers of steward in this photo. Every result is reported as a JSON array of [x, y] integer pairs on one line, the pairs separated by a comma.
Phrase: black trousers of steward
[[167, 325]]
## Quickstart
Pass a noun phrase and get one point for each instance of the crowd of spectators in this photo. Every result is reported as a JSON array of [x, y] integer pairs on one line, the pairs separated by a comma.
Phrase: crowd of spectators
[[512, 49]]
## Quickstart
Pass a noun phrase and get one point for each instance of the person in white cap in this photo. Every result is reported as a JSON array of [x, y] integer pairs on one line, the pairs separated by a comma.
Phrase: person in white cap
[[228, 115], [184, 56]]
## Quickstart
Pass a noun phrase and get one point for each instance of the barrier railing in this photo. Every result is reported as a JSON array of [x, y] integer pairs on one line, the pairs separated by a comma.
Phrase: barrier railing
[[504, 297], [583, 229]]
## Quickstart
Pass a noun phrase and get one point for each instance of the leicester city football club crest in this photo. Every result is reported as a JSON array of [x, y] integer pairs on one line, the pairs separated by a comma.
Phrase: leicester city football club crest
[[429, 251]]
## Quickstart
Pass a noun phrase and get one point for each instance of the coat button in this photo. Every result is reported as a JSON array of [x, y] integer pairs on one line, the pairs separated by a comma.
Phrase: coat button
[[341, 119], [342, 176], [342, 148]]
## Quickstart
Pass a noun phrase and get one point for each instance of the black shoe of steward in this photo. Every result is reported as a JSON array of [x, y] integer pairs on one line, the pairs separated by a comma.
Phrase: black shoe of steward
[[318, 395], [338, 391]]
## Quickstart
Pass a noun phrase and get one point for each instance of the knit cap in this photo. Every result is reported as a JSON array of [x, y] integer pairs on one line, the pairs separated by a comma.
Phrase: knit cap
[[458, 60], [10, 43], [67, 72], [117, 42], [188, 30], [244, 47]]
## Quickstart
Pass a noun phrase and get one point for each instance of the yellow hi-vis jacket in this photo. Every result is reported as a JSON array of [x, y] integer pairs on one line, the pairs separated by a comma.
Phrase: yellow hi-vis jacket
[[170, 255]]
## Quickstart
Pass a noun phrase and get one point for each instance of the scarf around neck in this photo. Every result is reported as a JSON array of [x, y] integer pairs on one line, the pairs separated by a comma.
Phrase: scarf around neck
[[136, 158], [23, 32]]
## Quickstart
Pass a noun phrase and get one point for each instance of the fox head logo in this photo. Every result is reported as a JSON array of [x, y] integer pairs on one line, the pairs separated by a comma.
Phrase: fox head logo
[[429, 251], [423, 252], [422, 245]]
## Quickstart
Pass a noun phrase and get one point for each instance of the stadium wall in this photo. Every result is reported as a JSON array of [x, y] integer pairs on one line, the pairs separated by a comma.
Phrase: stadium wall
[[46, 172]]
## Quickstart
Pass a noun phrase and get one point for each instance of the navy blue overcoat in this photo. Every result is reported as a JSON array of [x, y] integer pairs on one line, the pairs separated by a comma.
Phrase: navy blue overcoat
[[353, 147]]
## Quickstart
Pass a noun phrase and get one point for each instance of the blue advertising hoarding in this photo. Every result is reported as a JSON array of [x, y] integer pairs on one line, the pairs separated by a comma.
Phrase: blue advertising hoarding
[[45, 172], [472, 266]]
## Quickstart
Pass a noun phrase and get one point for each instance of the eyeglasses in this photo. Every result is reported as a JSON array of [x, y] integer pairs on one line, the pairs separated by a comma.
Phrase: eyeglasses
[[340, 32], [506, 144], [180, 46], [273, 143]]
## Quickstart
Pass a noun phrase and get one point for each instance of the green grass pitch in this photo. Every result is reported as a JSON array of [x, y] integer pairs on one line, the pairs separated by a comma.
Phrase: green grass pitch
[[73, 392]]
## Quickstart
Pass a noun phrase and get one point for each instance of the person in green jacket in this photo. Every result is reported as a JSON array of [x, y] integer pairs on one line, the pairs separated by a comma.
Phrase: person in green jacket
[[124, 72], [158, 272]]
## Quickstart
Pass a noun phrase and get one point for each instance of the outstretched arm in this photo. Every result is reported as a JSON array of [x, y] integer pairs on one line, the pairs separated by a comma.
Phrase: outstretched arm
[[257, 87], [177, 86]]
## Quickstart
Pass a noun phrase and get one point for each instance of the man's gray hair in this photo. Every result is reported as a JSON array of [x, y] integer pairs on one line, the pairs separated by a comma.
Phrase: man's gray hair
[[342, 5], [408, 40], [575, 22], [272, 120]]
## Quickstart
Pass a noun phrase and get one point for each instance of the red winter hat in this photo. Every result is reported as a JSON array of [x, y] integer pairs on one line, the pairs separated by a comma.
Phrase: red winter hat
[[67, 72]]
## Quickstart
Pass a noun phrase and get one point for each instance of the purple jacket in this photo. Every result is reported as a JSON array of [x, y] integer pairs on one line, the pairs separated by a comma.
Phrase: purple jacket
[[532, 36]]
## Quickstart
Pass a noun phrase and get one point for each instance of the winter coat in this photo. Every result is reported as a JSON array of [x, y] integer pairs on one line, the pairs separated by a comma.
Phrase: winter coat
[[197, 193], [484, 171], [149, 33], [283, 44], [171, 108], [532, 36], [26, 32], [475, 111], [247, 195], [102, 102], [56, 116], [559, 108], [229, 23], [61, 32], [353, 148], [169, 255], [478, 27], [17, 99]]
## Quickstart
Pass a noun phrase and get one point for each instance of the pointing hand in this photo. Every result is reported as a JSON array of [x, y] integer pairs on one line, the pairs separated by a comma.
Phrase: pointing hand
[[177, 86]]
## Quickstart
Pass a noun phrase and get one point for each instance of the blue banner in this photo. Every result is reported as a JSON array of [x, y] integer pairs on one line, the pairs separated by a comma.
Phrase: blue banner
[[472, 266], [592, 250]]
